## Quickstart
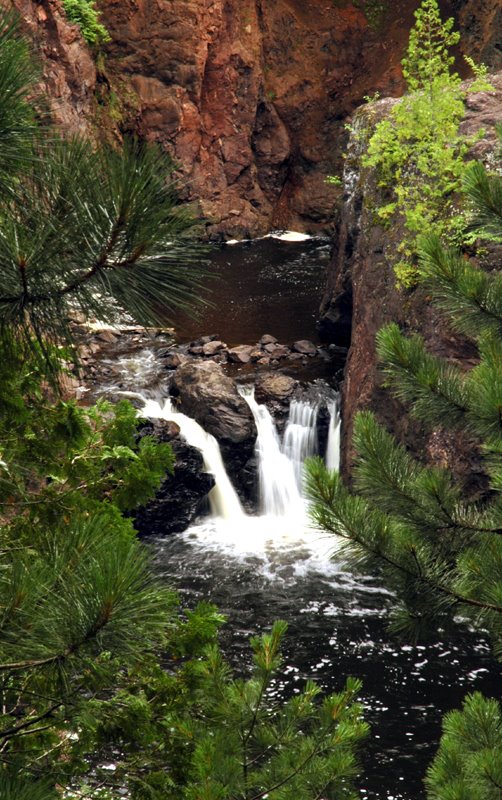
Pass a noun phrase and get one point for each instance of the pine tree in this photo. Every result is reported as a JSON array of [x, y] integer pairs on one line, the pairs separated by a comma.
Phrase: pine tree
[[83, 227], [439, 548], [96, 662]]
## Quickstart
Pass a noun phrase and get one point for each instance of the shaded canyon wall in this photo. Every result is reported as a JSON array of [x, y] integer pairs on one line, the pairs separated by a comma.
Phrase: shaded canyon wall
[[362, 296], [249, 96]]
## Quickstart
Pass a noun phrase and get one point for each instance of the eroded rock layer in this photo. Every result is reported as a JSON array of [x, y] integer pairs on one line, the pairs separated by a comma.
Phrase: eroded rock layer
[[362, 297], [249, 96]]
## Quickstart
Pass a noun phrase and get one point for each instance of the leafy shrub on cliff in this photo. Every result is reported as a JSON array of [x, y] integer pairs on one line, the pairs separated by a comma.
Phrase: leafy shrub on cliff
[[85, 14], [418, 150]]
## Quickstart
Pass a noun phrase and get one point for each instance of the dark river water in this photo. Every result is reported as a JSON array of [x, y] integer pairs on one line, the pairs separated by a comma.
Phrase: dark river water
[[261, 572], [337, 627], [264, 286]]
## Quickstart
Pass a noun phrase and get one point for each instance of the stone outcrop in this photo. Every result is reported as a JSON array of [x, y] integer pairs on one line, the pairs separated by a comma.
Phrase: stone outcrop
[[68, 77], [210, 397], [183, 494], [249, 96], [362, 297]]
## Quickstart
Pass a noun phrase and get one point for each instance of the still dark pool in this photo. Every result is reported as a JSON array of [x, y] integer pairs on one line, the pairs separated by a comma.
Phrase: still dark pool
[[262, 286]]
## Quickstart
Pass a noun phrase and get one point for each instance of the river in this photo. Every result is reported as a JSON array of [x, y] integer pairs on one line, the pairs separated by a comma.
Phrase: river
[[272, 565]]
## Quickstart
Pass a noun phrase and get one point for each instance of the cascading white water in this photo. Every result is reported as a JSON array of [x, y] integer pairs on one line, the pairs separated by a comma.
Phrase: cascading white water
[[333, 447], [222, 497], [279, 493], [300, 435]]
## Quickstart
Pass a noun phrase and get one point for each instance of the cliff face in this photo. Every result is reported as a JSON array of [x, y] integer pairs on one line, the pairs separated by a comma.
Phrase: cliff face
[[362, 297], [68, 71], [249, 96]]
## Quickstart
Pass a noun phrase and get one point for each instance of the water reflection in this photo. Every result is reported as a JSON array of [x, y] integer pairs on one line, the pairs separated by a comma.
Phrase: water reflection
[[261, 286]]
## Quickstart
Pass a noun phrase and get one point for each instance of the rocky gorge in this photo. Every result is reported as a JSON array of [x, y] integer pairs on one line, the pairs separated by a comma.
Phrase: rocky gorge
[[252, 99]]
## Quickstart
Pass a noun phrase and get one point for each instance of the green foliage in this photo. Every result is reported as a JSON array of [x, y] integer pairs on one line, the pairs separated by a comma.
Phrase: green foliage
[[77, 598], [468, 765], [90, 229], [438, 545], [334, 180], [197, 731], [441, 550], [82, 619], [17, 115], [418, 150], [375, 12], [428, 56], [85, 14]]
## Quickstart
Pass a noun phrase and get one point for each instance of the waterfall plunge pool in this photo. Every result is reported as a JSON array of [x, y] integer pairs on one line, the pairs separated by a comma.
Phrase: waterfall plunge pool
[[260, 568], [265, 568]]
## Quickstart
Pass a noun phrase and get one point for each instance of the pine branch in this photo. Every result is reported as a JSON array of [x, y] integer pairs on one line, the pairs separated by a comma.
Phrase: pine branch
[[485, 194], [470, 296], [335, 515], [10, 732]]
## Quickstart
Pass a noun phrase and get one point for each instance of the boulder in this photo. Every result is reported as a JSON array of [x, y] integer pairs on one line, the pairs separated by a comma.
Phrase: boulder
[[267, 338], [280, 351], [305, 347], [181, 495], [241, 354], [211, 397], [274, 386], [173, 360], [213, 347]]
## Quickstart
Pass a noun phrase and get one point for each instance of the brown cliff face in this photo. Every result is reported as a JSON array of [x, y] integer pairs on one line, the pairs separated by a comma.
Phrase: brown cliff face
[[249, 96], [68, 70], [362, 297]]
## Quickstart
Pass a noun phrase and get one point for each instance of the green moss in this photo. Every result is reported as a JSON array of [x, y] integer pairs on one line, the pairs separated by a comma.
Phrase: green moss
[[375, 12]]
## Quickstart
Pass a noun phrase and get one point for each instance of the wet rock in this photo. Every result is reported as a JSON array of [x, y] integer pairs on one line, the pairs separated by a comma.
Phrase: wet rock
[[280, 351], [267, 338], [181, 495], [274, 386], [241, 354], [211, 397], [213, 347], [107, 336], [305, 347], [174, 360], [196, 350]]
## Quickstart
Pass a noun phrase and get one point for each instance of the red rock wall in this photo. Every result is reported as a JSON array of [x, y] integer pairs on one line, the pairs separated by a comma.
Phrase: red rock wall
[[68, 69], [249, 96]]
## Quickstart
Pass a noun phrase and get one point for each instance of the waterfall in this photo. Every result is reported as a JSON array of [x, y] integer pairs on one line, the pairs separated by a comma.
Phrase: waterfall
[[279, 493], [222, 497], [300, 436], [333, 447]]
